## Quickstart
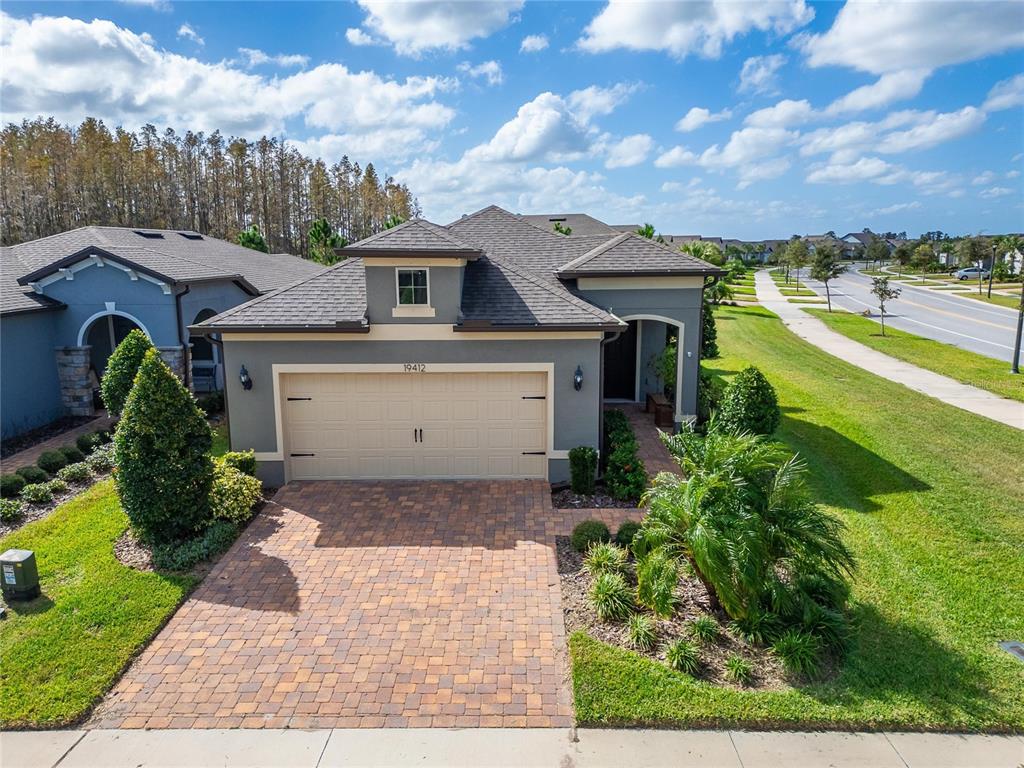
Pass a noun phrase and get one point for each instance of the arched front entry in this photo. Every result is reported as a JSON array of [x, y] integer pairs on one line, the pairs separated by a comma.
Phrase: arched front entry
[[205, 358], [628, 361], [103, 332]]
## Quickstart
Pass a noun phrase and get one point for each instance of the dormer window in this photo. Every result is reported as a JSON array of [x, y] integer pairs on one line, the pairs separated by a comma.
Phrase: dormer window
[[413, 290]]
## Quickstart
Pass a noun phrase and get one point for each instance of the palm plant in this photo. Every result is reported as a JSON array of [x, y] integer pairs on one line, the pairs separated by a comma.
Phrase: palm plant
[[744, 520]]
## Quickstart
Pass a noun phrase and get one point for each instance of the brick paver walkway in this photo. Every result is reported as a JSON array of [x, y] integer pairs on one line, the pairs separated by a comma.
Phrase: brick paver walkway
[[361, 604], [31, 455], [650, 449]]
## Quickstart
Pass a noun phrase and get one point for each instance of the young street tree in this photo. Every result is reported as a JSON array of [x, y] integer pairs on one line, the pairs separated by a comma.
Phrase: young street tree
[[903, 255], [797, 256], [877, 251], [826, 267], [884, 292], [923, 257]]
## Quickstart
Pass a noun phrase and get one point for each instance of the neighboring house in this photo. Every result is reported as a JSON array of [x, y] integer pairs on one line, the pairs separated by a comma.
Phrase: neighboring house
[[481, 349], [841, 247], [67, 300]]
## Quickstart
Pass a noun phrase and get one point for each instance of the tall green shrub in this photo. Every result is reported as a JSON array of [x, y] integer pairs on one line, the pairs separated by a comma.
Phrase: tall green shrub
[[709, 333], [121, 369], [161, 449], [582, 469], [749, 404]]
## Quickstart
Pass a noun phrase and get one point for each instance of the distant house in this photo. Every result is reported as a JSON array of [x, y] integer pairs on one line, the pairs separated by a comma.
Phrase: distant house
[[854, 242], [67, 300]]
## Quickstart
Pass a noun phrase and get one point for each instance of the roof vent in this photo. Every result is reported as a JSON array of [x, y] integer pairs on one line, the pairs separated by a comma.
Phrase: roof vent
[[149, 235], [556, 218], [191, 235]]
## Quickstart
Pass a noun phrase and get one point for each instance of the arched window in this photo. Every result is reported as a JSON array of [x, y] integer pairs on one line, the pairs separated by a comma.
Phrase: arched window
[[202, 349], [103, 334]]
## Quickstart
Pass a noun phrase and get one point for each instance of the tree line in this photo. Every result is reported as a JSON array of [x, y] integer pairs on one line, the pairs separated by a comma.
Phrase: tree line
[[55, 177]]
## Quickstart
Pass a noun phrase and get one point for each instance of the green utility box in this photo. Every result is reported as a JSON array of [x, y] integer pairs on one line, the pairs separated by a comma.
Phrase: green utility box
[[18, 574]]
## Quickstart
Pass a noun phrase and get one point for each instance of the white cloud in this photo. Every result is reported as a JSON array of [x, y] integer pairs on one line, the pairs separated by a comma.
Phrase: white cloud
[[1012, 174], [944, 127], [413, 28], [50, 65], [157, 5], [701, 28], [897, 36], [632, 150], [675, 157], [787, 112], [760, 74], [896, 208], [890, 87], [358, 37], [491, 70], [187, 32], [865, 169], [533, 43], [994, 192], [255, 57], [986, 177], [1006, 94], [594, 100], [543, 129], [698, 116]]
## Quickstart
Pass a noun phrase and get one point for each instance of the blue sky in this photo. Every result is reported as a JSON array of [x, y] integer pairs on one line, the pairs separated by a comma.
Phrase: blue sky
[[753, 120]]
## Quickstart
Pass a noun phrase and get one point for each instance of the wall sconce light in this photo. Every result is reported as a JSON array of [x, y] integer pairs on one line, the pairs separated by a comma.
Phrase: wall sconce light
[[577, 379], [245, 379]]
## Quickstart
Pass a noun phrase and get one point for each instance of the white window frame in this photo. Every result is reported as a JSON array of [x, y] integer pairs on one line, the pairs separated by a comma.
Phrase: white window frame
[[398, 290]]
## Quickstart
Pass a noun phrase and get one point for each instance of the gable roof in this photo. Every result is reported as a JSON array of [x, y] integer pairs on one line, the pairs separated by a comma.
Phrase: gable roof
[[416, 236], [579, 223], [174, 256], [633, 254]]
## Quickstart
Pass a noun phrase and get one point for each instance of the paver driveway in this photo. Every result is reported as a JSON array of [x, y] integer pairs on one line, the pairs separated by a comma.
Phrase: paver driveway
[[351, 604]]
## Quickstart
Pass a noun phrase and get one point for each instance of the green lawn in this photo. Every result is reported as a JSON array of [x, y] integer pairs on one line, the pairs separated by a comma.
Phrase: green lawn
[[62, 651], [797, 291], [959, 364], [817, 300], [745, 290], [1013, 302], [932, 498], [220, 440]]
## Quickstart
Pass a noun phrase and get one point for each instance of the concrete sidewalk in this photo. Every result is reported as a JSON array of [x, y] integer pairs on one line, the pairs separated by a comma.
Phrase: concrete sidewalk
[[502, 748], [809, 328]]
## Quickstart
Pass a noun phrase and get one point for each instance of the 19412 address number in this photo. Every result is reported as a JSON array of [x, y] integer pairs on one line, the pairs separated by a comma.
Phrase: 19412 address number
[[414, 367]]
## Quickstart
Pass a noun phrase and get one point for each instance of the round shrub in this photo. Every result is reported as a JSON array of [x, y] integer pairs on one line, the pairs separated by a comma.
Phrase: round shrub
[[32, 474], [611, 597], [749, 405], [52, 461], [57, 486], [161, 449], [87, 442], [11, 510], [243, 461], [75, 473], [233, 494], [589, 532], [641, 632], [582, 469], [72, 454], [122, 367], [626, 533], [102, 459], [11, 485], [605, 557], [37, 493], [682, 656]]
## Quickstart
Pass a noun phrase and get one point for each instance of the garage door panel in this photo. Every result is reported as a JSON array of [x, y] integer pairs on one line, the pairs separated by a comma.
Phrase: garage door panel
[[459, 425]]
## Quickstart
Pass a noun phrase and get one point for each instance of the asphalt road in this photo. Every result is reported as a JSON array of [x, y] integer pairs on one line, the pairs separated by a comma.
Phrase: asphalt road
[[982, 328]]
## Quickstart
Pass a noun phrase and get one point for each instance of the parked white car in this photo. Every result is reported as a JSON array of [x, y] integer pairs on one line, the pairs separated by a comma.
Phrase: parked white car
[[968, 273]]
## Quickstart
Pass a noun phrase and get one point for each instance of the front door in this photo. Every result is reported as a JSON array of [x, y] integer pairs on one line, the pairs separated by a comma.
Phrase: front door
[[620, 366]]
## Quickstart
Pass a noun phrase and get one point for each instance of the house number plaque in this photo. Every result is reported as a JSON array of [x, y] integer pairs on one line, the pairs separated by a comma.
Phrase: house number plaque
[[415, 367]]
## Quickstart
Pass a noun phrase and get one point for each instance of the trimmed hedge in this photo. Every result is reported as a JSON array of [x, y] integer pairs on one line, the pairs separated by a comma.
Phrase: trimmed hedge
[[161, 449], [234, 493], [122, 368], [749, 405], [52, 461], [37, 493], [582, 469], [588, 533], [11, 485], [185, 555], [88, 442], [243, 461], [626, 533], [75, 473], [625, 475], [32, 474], [72, 454]]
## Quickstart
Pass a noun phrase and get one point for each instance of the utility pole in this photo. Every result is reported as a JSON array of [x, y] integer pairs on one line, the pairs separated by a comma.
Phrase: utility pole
[[1015, 363]]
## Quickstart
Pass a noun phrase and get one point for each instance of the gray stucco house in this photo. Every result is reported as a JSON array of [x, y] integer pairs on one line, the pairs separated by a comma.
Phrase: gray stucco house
[[67, 300], [481, 349]]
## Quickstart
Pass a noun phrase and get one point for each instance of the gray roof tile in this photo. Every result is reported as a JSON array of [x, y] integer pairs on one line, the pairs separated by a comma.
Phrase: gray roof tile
[[412, 235], [633, 254]]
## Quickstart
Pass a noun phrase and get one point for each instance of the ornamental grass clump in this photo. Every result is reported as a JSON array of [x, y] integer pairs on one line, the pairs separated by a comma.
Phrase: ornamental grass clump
[[161, 449], [656, 577], [611, 597], [682, 656], [642, 635], [798, 651], [739, 670], [704, 630], [605, 557]]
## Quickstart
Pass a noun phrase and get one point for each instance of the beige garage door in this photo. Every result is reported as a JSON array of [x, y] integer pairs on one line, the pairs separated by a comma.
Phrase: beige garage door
[[415, 425]]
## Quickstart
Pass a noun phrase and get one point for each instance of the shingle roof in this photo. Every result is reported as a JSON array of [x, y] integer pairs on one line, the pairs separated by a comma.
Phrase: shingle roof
[[633, 254], [579, 223], [412, 235], [176, 255], [332, 299]]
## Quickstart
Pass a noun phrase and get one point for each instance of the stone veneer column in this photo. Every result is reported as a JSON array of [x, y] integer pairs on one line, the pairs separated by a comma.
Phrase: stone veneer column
[[73, 374], [175, 359]]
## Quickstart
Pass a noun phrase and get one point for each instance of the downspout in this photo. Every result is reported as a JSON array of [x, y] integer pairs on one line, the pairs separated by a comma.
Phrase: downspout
[[219, 343], [600, 394], [187, 360]]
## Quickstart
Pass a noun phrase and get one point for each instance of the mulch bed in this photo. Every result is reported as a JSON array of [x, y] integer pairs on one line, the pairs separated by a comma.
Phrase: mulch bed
[[41, 434], [565, 498], [35, 512], [691, 602]]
